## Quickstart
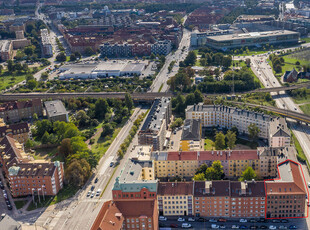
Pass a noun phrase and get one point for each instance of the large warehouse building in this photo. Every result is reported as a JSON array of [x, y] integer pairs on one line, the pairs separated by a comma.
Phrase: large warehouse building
[[230, 41], [101, 70]]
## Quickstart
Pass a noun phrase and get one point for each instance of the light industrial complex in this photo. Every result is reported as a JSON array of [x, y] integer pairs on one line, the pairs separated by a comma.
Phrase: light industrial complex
[[101, 70]]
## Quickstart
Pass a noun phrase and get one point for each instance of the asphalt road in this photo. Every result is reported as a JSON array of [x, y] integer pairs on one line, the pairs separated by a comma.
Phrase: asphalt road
[[163, 75]]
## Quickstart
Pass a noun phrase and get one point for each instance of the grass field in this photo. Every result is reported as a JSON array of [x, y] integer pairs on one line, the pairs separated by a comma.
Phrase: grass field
[[209, 144], [20, 203], [305, 108], [7, 81], [307, 40]]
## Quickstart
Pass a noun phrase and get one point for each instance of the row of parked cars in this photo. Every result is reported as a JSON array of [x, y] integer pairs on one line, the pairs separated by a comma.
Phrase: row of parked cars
[[222, 226], [5, 195]]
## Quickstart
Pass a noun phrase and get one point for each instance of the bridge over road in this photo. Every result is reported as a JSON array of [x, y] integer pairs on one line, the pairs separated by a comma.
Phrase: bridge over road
[[283, 112]]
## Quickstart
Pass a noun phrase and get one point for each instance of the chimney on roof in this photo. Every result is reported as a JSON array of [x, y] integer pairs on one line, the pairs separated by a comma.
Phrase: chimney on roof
[[208, 186], [244, 186]]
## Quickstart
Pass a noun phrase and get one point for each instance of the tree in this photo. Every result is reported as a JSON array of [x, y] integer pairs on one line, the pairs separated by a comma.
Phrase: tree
[[1, 68], [61, 57], [82, 118], [198, 96], [128, 101], [199, 177], [35, 117], [210, 173], [11, 66], [190, 99], [44, 76], [77, 55], [253, 131], [31, 84], [278, 68], [42, 127], [176, 123], [248, 174], [101, 108], [44, 139], [248, 62], [235, 130], [190, 60], [29, 50], [202, 168], [219, 140], [227, 62], [65, 149], [231, 139], [297, 63], [89, 51], [72, 57], [107, 130], [218, 169], [78, 172]]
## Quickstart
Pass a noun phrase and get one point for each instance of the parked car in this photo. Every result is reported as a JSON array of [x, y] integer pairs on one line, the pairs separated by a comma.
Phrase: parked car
[[253, 221], [215, 226], [243, 220], [9, 207], [284, 221], [186, 225], [253, 227], [191, 219], [181, 219], [173, 225], [292, 227], [1, 186], [98, 192], [213, 220], [222, 226], [162, 218], [201, 219], [96, 180], [235, 227], [262, 220], [263, 227], [92, 195], [282, 227], [275, 221], [88, 194], [92, 188], [222, 220], [272, 227], [243, 227]]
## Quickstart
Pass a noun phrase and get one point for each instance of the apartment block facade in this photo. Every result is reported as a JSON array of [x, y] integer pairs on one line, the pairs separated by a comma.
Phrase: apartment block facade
[[47, 48], [26, 176], [19, 132], [271, 128], [154, 129], [175, 198], [15, 111], [234, 162], [286, 195]]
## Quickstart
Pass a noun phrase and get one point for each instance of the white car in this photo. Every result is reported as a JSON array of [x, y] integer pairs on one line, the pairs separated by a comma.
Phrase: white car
[[88, 194], [181, 219], [162, 218], [186, 225], [272, 227], [92, 195], [235, 227], [191, 219], [98, 192], [215, 226], [213, 220], [243, 221]]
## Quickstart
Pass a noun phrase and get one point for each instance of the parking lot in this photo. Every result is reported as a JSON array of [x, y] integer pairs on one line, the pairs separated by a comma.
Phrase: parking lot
[[235, 224]]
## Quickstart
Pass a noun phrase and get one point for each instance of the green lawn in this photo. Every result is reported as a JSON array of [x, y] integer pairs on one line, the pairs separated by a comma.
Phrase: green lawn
[[7, 81], [300, 153], [20, 203], [209, 144], [305, 108], [307, 40]]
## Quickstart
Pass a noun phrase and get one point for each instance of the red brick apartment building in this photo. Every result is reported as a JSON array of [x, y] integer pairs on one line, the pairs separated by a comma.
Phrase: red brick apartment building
[[19, 132], [286, 195], [127, 215], [28, 177], [18, 110]]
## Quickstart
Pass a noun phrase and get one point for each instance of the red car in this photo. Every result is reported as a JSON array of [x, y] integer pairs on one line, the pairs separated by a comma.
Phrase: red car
[[173, 225], [222, 220]]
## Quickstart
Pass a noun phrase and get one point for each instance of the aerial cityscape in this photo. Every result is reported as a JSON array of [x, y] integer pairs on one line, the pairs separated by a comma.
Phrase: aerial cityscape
[[154, 114]]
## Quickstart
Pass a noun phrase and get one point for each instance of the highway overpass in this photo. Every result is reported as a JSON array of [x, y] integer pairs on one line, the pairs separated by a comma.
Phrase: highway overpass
[[283, 112]]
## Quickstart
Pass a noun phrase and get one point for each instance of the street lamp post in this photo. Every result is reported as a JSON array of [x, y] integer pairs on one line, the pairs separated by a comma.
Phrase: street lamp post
[[39, 195], [43, 192], [32, 195]]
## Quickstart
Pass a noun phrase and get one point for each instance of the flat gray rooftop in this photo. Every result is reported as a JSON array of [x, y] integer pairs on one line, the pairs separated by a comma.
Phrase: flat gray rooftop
[[55, 108]]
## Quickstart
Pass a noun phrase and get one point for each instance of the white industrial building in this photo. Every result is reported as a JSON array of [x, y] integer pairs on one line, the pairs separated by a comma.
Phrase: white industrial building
[[101, 70]]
